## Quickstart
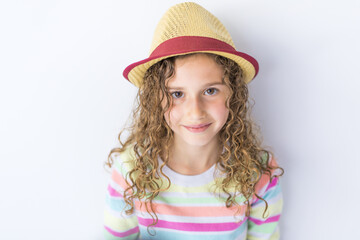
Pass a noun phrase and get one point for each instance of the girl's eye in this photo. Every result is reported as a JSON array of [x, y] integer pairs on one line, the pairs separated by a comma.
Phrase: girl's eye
[[177, 94], [210, 91]]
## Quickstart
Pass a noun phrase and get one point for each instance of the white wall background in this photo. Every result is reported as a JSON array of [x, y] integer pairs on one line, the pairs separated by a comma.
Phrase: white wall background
[[63, 101]]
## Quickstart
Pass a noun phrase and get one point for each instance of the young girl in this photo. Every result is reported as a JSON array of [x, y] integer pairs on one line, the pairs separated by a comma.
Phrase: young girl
[[192, 166]]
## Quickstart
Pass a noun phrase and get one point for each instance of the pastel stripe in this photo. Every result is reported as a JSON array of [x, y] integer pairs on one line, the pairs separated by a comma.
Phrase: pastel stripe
[[174, 218], [116, 204], [198, 227], [113, 192], [238, 234], [122, 234], [273, 183], [119, 179], [200, 193], [268, 220], [190, 211], [184, 199]]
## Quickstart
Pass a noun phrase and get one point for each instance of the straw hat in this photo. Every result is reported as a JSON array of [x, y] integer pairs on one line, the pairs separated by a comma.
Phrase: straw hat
[[187, 28]]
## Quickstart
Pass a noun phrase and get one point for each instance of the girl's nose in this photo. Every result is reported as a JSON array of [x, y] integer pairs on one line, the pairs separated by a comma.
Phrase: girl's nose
[[195, 108]]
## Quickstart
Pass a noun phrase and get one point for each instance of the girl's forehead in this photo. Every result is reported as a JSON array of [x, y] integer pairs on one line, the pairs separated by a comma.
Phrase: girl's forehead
[[180, 60], [196, 69]]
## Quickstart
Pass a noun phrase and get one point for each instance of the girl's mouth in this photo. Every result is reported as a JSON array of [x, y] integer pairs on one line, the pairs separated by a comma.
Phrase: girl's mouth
[[197, 128]]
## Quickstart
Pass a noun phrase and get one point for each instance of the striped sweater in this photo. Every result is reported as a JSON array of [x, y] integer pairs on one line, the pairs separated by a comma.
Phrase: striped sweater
[[191, 209]]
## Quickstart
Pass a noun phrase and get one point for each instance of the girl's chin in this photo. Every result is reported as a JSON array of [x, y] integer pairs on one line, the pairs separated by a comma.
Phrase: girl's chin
[[196, 141]]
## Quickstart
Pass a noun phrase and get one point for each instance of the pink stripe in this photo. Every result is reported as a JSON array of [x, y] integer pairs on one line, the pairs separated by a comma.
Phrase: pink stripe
[[272, 184], [122, 234], [269, 220], [113, 192], [193, 227], [191, 211]]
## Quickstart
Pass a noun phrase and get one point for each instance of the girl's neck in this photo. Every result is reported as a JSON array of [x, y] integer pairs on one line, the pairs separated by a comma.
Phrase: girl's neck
[[192, 160]]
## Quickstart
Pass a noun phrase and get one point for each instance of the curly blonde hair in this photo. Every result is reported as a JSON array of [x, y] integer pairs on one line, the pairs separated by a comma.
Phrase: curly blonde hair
[[243, 160]]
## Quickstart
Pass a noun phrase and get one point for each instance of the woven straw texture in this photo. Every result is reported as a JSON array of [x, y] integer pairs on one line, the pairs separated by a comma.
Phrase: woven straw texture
[[189, 19]]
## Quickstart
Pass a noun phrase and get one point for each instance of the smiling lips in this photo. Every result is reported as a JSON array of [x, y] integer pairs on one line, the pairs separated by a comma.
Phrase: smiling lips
[[197, 128]]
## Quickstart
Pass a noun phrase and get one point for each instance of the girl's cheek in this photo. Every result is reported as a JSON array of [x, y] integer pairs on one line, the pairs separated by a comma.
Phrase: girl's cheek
[[174, 114], [170, 116], [221, 110]]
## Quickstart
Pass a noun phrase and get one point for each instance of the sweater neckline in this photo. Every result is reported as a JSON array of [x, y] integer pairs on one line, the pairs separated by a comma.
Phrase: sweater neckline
[[193, 180]]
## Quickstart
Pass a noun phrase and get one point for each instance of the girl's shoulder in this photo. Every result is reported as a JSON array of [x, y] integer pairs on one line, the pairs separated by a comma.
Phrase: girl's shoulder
[[266, 180], [125, 160]]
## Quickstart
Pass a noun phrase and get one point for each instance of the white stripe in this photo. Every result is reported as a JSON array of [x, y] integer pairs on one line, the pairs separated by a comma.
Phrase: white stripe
[[116, 186]]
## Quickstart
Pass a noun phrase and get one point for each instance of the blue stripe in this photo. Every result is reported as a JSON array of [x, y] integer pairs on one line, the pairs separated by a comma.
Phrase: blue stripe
[[271, 193], [116, 204]]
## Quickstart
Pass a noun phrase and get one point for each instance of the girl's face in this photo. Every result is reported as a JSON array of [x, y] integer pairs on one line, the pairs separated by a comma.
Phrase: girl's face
[[198, 95]]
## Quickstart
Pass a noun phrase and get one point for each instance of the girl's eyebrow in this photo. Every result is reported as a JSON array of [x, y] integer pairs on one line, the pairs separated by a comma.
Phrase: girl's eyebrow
[[206, 85]]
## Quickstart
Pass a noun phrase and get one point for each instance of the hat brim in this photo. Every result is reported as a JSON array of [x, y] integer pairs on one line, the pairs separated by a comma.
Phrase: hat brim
[[191, 44]]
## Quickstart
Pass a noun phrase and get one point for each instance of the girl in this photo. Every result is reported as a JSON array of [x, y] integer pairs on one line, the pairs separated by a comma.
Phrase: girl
[[192, 166]]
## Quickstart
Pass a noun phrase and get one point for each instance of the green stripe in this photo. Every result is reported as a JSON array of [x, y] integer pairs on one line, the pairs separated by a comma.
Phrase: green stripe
[[263, 228], [205, 200]]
